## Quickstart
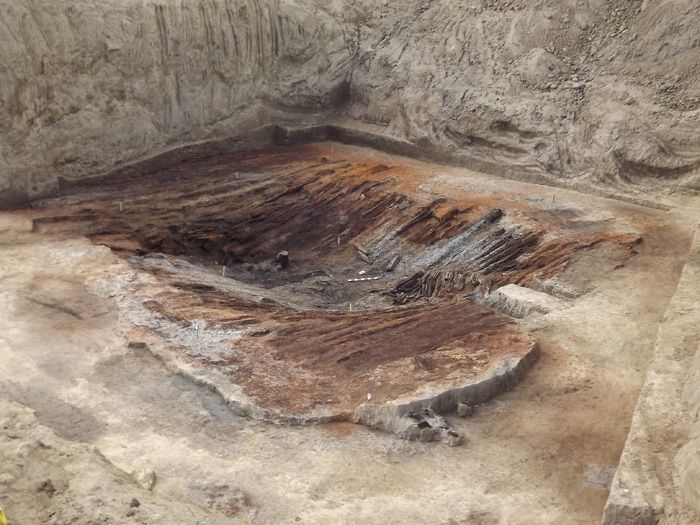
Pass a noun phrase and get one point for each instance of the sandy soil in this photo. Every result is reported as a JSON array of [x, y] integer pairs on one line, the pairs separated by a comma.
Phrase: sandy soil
[[541, 453], [600, 93], [597, 96]]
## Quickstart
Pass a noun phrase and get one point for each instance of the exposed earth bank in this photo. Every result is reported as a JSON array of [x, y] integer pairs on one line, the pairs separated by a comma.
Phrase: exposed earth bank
[[600, 93]]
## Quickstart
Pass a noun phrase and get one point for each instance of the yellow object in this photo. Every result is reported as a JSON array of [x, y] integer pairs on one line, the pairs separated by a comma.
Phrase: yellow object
[[3, 519]]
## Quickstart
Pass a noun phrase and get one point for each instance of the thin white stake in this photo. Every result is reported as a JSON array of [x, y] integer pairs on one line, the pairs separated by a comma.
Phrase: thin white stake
[[363, 279]]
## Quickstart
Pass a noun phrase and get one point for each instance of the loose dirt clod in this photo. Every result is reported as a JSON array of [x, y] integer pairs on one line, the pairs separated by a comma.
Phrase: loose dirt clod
[[145, 476], [464, 409]]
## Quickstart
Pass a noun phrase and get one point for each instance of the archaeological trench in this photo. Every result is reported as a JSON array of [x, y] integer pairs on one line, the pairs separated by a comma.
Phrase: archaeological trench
[[349, 261]]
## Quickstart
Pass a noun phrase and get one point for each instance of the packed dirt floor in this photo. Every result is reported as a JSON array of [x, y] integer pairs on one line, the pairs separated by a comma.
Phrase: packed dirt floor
[[104, 419]]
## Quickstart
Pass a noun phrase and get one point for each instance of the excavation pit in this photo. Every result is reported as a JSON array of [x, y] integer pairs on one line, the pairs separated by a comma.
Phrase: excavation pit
[[324, 282]]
